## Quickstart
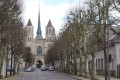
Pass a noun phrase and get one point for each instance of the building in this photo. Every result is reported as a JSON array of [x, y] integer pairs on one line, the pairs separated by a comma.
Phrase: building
[[39, 45], [113, 56]]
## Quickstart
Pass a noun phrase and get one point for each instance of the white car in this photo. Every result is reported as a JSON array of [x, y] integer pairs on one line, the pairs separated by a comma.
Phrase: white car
[[51, 68], [43, 68], [29, 69]]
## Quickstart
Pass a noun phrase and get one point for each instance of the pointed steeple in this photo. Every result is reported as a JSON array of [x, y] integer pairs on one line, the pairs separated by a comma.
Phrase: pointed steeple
[[29, 23], [49, 23], [39, 32]]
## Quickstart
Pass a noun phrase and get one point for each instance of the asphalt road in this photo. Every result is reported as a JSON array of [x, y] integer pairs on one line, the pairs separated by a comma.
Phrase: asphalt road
[[43, 75]]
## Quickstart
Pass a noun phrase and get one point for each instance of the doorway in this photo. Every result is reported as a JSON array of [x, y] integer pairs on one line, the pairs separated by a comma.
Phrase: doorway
[[39, 64]]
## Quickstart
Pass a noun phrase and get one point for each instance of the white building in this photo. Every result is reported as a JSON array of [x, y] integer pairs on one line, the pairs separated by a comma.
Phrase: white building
[[114, 58], [39, 45]]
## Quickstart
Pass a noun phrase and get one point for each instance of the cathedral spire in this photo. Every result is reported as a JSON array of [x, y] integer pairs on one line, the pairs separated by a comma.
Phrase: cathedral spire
[[39, 32]]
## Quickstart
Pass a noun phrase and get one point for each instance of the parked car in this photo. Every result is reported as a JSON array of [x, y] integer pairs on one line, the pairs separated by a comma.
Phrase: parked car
[[43, 68], [29, 69], [51, 68]]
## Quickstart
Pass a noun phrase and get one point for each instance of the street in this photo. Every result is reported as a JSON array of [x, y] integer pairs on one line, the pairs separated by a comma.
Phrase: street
[[43, 75]]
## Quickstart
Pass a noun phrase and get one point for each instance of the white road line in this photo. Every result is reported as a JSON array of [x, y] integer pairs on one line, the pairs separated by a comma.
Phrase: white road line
[[41, 77], [33, 76], [21, 78]]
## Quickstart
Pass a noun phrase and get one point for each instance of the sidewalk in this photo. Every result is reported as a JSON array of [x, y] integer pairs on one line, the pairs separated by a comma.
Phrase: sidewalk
[[82, 78], [103, 78], [98, 77]]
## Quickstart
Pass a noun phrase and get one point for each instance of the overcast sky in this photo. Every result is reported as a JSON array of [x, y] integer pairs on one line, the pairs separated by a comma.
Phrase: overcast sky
[[49, 9]]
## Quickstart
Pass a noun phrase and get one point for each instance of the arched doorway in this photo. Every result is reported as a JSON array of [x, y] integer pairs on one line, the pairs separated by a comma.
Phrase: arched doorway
[[39, 64]]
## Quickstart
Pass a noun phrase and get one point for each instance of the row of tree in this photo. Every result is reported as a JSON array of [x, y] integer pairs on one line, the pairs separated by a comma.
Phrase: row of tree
[[85, 30], [12, 35]]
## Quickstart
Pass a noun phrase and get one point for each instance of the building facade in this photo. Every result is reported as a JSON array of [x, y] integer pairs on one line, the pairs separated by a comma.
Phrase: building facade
[[39, 45]]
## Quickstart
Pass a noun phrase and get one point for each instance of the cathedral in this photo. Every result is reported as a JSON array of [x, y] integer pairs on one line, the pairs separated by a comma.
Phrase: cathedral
[[39, 45]]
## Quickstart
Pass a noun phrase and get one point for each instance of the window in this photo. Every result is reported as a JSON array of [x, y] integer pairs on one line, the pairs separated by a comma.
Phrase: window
[[49, 45], [28, 39], [49, 30], [53, 31], [98, 64], [50, 39], [39, 50], [110, 58], [102, 64], [29, 30], [77, 54], [46, 31]]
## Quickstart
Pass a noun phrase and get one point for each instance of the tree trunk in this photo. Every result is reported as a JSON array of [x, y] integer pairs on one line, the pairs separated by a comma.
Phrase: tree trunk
[[85, 56], [68, 63], [14, 65], [18, 66], [7, 61], [93, 61], [75, 64], [61, 62], [93, 66], [80, 70], [1, 66], [105, 62], [11, 65]]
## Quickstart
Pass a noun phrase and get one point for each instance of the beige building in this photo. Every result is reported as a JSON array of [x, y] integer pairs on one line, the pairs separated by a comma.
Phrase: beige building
[[39, 45]]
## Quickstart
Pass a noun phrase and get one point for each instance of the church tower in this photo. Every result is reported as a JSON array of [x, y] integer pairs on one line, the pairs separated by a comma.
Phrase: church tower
[[39, 45], [50, 35], [30, 35], [39, 32]]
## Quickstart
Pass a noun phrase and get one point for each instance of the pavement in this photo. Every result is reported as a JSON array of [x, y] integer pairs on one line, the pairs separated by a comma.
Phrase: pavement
[[99, 77], [14, 77]]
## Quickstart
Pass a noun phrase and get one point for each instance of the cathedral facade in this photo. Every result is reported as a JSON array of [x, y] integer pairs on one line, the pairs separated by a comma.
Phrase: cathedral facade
[[39, 45]]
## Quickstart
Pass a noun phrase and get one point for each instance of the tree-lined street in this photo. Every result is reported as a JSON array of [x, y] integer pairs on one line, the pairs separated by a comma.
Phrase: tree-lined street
[[87, 46]]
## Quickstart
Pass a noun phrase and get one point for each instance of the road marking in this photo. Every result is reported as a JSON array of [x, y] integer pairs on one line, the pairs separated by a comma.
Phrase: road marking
[[33, 76], [21, 78], [41, 77]]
